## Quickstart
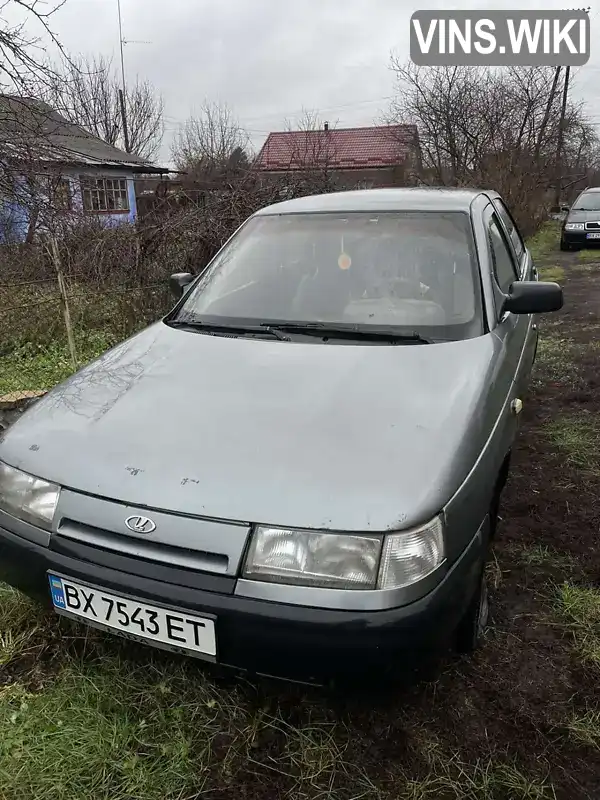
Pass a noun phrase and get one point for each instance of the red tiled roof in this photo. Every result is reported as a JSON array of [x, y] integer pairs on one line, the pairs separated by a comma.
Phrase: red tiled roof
[[341, 148]]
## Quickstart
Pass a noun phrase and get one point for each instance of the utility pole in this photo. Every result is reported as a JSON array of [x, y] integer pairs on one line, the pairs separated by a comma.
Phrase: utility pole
[[122, 91], [561, 132], [547, 112]]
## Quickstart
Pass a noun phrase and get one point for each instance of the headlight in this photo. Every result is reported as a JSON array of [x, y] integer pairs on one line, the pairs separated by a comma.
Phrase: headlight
[[344, 561], [410, 556], [31, 499], [574, 226], [329, 560]]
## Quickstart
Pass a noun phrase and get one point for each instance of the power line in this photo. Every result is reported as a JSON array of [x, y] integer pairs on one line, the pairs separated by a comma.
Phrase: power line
[[172, 120], [578, 70], [353, 104]]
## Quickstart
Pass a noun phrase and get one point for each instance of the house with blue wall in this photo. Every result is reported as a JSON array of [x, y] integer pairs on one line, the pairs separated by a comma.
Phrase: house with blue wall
[[53, 169]]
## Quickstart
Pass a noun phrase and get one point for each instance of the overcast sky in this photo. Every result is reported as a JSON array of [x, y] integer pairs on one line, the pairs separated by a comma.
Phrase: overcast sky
[[267, 59]]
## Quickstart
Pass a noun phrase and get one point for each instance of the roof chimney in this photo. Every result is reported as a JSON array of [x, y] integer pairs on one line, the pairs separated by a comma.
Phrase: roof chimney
[[326, 126]]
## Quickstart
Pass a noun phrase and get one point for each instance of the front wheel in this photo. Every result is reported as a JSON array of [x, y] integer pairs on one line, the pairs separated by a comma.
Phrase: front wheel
[[471, 629], [565, 245]]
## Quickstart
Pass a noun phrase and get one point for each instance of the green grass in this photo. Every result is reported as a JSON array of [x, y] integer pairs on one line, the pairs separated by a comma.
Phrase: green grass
[[36, 354], [539, 555], [553, 274], [579, 607], [109, 730], [545, 241], [103, 730], [556, 359], [19, 624], [115, 722], [589, 256], [38, 366], [578, 437]]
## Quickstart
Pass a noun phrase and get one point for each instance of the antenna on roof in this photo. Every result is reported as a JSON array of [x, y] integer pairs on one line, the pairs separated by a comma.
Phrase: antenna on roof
[[122, 93]]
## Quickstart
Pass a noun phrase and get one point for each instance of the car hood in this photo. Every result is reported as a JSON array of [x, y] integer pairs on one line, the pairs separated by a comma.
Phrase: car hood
[[336, 436], [582, 216]]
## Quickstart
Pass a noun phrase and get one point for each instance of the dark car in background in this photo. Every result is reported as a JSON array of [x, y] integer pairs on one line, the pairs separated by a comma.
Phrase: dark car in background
[[581, 226]]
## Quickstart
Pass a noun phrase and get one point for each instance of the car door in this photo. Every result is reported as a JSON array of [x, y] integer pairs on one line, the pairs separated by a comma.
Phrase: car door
[[513, 330]]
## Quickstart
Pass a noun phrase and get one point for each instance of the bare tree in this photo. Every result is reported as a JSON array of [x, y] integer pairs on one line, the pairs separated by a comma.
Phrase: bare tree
[[22, 53], [23, 142], [85, 90], [497, 128], [312, 147], [210, 141]]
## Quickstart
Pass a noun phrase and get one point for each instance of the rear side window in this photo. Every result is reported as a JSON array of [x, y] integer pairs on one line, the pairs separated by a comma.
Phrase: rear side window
[[504, 267], [510, 226]]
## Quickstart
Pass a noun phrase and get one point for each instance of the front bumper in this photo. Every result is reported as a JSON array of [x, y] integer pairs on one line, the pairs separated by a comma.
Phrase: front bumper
[[579, 238], [273, 638]]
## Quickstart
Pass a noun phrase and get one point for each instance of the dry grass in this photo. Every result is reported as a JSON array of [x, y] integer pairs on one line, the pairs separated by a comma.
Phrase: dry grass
[[19, 624], [585, 728]]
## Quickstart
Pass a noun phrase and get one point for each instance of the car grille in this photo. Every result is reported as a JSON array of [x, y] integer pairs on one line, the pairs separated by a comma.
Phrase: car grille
[[592, 226], [137, 548], [161, 562]]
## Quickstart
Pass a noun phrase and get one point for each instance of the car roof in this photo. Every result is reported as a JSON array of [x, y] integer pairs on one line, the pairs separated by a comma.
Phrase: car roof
[[591, 190], [405, 199]]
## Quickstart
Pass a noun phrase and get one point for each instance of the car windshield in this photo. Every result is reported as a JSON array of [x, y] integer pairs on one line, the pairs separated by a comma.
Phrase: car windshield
[[409, 271], [587, 202]]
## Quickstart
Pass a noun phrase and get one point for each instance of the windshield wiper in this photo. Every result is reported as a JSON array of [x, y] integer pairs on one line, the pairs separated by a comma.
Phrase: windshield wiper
[[339, 330], [236, 330]]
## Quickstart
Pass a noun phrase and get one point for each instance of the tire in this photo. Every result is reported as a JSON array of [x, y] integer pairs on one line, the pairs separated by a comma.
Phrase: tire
[[471, 629], [569, 246], [495, 504]]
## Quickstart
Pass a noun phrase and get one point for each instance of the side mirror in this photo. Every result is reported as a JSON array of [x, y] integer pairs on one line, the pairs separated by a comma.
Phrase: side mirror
[[533, 297], [179, 282]]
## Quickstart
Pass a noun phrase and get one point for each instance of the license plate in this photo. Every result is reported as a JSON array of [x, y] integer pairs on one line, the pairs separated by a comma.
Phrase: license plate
[[134, 619], [593, 235]]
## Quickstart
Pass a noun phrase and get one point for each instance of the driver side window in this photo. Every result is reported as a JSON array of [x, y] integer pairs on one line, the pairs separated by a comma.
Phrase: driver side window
[[504, 266]]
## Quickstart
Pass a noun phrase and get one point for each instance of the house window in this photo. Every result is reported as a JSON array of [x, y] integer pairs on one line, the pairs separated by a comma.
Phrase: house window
[[58, 192], [105, 194], [61, 194]]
